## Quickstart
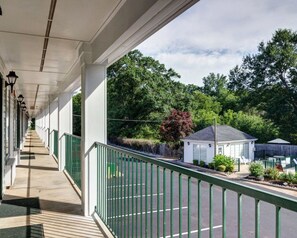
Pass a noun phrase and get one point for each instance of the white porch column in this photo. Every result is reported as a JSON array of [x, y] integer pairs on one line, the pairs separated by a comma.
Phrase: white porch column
[[46, 126], [93, 128], [64, 123], [10, 126], [53, 110]]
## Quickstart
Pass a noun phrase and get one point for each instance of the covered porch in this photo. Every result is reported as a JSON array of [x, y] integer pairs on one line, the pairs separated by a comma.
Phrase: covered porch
[[42, 202]]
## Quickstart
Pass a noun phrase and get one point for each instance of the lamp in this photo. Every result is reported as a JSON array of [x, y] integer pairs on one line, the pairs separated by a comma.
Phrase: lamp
[[12, 77], [20, 98], [209, 145], [188, 143]]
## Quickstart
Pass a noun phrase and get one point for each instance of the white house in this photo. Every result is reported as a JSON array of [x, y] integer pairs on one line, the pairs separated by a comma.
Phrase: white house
[[230, 142]]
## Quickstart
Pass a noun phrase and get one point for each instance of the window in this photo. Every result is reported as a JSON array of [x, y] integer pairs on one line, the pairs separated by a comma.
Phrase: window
[[199, 152], [238, 150]]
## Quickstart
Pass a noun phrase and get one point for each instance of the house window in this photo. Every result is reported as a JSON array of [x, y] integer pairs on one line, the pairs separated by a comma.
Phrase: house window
[[199, 152], [238, 150]]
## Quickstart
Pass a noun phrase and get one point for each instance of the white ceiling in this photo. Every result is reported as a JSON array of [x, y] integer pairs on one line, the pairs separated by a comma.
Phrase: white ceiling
[[22, 29], [75, 22]]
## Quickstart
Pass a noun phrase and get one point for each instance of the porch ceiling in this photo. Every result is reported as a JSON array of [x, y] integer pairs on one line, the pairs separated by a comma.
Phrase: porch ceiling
[[23, 27]]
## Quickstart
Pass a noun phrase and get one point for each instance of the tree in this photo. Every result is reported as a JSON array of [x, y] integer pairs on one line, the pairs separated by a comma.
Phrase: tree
[[176, 126], [216, 85], [263, 130], [141, 92], [76, 110], [268, 79]]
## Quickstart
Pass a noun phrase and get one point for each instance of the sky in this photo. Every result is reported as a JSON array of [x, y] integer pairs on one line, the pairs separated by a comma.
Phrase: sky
[[214, 35]]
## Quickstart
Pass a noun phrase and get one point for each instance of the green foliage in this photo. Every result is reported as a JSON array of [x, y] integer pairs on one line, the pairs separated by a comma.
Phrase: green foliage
[[141, 92], [195, 162], [289, 178], [202, 163], [254, 125], [271, 173], [176, 126], [228, 162], [211, 165], [256, 169], [267, 81], [216, 85], [76, 109], [221, 168]]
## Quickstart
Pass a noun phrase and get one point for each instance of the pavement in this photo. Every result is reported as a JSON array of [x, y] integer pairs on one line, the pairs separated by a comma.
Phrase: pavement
[[239, 177]]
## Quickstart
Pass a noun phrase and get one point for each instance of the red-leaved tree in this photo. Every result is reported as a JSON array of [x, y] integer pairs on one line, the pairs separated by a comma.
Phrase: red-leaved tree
[[176, 126]]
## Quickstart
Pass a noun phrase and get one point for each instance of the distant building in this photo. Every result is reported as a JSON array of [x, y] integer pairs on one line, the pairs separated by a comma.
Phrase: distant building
[[230, 142]]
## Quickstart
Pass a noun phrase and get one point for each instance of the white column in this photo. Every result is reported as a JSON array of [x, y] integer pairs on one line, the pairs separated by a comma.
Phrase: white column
[[53, 122], [10, 126], [93, 126], [46, 126], [64, 123]]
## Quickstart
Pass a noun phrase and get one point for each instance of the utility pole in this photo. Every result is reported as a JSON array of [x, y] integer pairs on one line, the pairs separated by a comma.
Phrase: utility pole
[[215, 137]]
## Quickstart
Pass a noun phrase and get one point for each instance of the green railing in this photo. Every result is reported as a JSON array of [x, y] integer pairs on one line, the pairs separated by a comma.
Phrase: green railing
[[55, 143], [143, 197], [72, 157]]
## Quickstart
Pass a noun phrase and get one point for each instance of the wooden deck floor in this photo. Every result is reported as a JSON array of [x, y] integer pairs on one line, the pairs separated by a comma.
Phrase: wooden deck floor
[[42, 202]]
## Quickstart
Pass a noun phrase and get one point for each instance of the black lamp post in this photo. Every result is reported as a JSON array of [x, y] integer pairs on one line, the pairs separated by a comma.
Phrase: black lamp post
[[12, 77]]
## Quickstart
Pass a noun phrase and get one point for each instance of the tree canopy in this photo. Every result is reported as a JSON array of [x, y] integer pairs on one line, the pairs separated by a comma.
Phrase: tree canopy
[[258, 97], [267, 81]]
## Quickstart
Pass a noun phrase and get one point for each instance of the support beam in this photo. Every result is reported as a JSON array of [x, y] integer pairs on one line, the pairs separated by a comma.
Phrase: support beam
[[64, 123], [94, 121], [53, 122]]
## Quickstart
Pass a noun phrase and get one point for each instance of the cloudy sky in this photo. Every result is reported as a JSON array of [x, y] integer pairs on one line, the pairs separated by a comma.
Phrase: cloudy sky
[[214, 35]]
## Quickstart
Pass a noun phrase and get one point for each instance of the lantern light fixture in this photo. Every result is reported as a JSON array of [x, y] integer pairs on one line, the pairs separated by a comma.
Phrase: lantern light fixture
[[20, 98], [11, 78]]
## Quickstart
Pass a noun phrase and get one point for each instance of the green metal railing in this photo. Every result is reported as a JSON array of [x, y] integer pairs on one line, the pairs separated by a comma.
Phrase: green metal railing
[[55, 143], [143, 197], [72, 157]]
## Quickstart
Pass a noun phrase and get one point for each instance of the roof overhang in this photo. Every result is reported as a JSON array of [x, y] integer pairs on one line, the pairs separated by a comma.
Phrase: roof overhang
[[47, 42]]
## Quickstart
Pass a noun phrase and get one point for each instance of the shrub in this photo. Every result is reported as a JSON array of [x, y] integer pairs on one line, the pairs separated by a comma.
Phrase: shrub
[[256, 169], [228, 162], [211, 165], [221, 168], [271, 173], [230, 167], [195, 162], [202, 163]]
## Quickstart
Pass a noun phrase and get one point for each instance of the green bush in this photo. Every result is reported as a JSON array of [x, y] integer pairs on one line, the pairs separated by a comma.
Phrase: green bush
[[230, 167], [290, 177], [195, 162], [211, 165], [228, 162], [221, 168], [271, 173], [256, 169], [202, 163]]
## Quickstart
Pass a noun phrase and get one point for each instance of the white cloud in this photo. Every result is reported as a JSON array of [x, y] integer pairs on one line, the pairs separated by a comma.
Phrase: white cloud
[[214, 35]]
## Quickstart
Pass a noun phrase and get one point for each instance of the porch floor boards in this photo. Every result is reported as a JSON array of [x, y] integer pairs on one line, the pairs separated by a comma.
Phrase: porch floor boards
[[42, 195]]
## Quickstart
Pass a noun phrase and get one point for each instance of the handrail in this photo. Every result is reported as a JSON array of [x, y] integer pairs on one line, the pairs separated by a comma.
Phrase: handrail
[[79, 137], [280, 201]]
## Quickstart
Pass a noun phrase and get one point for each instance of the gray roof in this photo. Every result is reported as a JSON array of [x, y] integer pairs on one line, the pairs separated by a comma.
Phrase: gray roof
[[278, 141], [224, 133]]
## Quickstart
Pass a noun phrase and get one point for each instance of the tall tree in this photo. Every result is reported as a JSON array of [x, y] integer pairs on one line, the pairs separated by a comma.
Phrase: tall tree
[[216, 85], [270, 78], [140, 94]]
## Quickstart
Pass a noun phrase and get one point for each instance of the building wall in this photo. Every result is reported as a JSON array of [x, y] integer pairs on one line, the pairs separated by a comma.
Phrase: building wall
[[189, 150]]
